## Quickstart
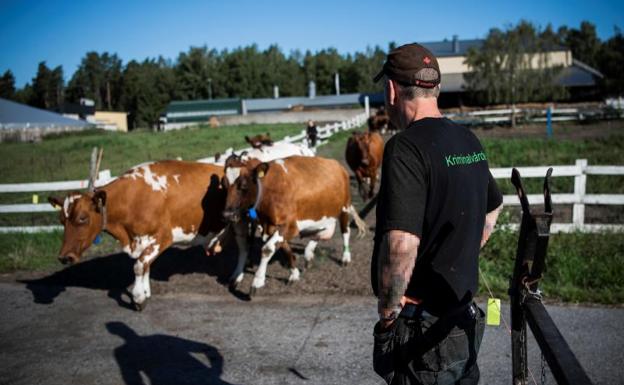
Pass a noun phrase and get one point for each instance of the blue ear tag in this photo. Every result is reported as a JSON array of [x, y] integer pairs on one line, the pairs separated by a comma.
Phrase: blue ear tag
[[97, 240], [252, 213]]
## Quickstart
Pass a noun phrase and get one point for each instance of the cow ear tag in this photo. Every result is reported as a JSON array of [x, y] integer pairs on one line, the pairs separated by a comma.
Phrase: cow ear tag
[[97, 240], [253, 214], [260, 174]]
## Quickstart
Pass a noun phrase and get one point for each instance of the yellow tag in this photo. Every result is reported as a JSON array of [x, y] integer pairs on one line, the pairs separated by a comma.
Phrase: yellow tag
[[35, 199], [260, 174], [493, 311]]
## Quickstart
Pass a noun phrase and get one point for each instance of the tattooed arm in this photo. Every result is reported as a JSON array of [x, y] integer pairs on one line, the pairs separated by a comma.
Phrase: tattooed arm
[[490, 222], [396, 263]]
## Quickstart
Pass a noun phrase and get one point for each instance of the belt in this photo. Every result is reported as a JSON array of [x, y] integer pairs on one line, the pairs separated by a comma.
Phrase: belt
[[414, 310]]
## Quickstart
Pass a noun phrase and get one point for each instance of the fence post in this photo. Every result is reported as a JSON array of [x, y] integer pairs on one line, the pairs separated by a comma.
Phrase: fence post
[[367, 106], [580, 183], [549, 132]]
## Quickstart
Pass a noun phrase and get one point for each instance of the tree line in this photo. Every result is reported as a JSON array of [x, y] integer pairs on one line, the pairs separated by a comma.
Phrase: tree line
[[144, 88]]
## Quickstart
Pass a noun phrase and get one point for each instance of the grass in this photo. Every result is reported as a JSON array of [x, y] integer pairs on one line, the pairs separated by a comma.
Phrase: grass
[[66, 157], [39, 251], [537, 152], [579, 267]]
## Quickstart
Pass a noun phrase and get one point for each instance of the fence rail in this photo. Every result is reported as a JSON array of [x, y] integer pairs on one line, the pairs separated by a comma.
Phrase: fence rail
[[579, 198], [536, 115]]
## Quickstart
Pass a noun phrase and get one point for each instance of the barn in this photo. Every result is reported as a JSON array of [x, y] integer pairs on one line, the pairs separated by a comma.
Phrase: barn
[[25, 123]]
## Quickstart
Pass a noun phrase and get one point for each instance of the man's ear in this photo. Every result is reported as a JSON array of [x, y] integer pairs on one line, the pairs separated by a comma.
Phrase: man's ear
[[99, 198], [261, 170], [56, 202], [393, 92]]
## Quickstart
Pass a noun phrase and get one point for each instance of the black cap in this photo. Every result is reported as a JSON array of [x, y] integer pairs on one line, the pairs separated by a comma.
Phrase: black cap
[[404, 62]]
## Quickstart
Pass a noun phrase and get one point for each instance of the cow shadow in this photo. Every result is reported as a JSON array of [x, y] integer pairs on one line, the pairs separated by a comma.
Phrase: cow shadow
[[165, 359], [114, 273]]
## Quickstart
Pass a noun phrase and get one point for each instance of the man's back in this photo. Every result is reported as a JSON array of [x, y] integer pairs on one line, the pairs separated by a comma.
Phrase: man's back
[[440, 172]]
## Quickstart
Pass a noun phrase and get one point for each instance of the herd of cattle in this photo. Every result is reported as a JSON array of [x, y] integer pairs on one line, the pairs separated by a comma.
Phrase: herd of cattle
[[276, 190]]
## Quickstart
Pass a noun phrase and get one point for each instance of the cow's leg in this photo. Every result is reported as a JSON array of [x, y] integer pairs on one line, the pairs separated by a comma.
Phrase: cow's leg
[[373, 180], [308, 254], [360, 180], [141, 289], [268, 249], [344, 229], [292, 263], [240, 234]]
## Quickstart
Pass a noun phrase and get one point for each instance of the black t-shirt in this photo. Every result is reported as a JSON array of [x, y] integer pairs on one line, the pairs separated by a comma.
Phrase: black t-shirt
[[436, 183]]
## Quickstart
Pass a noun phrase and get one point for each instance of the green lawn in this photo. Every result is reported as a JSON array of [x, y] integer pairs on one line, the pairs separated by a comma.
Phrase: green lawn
[[66, 157]]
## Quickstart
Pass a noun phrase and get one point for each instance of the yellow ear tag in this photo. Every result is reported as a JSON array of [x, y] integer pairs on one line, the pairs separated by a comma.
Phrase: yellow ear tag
[[493, 311], [35, 199], [260, 174]]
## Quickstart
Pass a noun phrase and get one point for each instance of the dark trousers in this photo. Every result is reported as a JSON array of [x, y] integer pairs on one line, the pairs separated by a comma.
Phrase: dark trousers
[[421, 348]]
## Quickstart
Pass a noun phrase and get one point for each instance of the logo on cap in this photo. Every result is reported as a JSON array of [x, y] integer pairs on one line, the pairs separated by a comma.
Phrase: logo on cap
[[426, 60]]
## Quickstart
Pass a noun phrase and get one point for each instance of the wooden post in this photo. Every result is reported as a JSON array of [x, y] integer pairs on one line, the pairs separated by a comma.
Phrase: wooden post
[[580, 184], [92, 171]]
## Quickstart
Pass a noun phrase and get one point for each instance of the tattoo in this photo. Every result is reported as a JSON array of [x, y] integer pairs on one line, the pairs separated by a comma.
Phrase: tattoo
[[395, 268]]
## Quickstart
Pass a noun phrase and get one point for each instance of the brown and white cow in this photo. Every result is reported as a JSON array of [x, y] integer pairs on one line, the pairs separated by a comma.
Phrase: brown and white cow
[[147, 209], [364, 153], [294, 196]]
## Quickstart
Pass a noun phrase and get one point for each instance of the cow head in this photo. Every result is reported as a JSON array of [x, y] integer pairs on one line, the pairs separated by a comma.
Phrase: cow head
[[362, 141], [241, 178], [82, 216], [259, 140]]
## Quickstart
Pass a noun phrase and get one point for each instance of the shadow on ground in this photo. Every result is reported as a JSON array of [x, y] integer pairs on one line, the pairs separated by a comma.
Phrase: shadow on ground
[[114, 273], [165, 359]]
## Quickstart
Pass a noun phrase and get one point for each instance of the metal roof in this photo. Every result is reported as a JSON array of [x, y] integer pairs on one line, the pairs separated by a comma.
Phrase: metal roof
[[457, 47], [269, 104], [19, 116], [445, 48]]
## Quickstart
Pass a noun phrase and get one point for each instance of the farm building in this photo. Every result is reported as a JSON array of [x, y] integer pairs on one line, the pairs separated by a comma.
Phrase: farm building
[[579, 78], [262, 110], [85, 110], [25, 123]]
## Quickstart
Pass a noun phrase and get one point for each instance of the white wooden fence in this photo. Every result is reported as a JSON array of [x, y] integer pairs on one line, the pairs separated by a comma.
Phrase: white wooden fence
[[579, 198], [499, 116]]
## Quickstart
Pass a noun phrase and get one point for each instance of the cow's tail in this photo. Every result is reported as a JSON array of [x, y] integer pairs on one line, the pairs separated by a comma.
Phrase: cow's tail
[[359, 222]]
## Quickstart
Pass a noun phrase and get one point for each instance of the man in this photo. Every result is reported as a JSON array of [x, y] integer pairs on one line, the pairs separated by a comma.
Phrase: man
[[438, 204], [311, 133]]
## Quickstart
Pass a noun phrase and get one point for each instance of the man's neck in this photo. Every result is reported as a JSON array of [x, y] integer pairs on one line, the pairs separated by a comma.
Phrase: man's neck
[[422, 108]]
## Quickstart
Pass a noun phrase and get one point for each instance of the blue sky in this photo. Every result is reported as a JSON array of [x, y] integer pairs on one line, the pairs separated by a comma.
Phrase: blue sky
[[61, 32]]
